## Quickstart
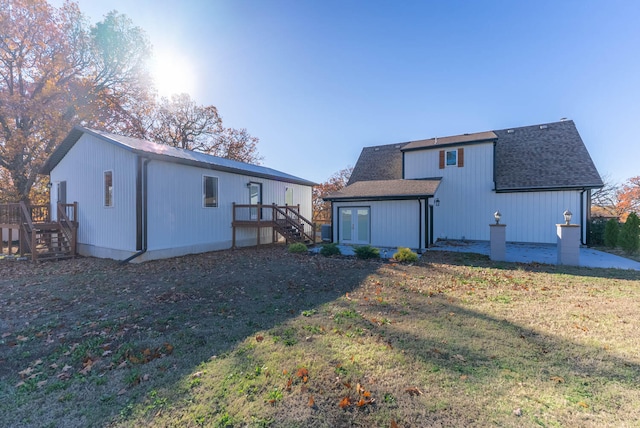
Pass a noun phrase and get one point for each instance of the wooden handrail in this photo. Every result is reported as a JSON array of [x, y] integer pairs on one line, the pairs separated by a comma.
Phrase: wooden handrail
[[26, 228], [66, 226], [294, 221]]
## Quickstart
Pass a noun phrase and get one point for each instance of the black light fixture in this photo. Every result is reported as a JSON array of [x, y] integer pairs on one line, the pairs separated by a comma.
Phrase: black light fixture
[[437, 202], [50, 185]]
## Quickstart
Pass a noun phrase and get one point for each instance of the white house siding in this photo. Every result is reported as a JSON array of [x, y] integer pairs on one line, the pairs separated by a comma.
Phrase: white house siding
[[393, 223], [103, 231], [468, 201], [178, 222]]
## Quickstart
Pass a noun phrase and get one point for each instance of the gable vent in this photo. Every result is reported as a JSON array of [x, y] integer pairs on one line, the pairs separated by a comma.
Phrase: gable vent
[[398, 146], [509, 131], [543, 126], [376, 149]]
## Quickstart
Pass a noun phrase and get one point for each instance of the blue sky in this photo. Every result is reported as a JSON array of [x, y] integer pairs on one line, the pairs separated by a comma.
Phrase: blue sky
[[318, 80]]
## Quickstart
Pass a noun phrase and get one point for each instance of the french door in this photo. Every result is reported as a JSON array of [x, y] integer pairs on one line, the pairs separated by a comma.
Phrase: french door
[[355, 225]]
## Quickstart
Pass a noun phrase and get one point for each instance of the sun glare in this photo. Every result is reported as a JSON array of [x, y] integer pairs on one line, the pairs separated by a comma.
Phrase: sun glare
[[173, 74]]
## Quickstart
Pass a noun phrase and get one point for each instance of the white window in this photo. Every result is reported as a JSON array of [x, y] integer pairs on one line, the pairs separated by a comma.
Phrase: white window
[[108, 188], [209, 191], [288, 196]]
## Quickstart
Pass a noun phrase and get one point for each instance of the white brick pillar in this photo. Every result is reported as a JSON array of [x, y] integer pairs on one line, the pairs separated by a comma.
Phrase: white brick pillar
[[568, 244], [498, 240]]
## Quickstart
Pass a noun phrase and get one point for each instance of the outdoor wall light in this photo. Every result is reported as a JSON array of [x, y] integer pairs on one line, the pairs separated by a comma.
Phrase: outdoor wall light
[[567, 216], [50, 185], [437, 202], [497, 216]]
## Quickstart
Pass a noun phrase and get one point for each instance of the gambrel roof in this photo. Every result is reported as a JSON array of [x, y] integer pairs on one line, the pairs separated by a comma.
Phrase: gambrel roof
[[540, 157], [169, 154]]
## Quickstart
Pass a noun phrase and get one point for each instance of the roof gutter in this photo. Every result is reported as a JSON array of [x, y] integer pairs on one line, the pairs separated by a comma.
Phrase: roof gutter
[[141, 209]]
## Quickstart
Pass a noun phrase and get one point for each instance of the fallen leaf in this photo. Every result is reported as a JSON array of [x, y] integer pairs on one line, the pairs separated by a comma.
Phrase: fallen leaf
[[311, 401], [22, 338], [366, 394], [197, 374], [557, 379], [259, 338], [43, 382], [583, 404], [394, 424], [302, 372], [345, 402], [107, 352], [289, 383], [19, 384], [413, 391], [122, 391], [359, 389], [5, 335], [463, 377]]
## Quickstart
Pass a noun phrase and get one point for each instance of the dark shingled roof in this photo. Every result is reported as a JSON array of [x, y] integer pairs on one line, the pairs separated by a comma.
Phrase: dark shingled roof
[[540, 157], [551, 156], [169, 154], [378, 163], [386, 189]]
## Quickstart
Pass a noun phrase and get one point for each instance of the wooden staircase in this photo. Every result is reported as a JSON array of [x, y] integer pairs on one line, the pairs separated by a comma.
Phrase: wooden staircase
[[283, 220], [39, 236], [293, 226]]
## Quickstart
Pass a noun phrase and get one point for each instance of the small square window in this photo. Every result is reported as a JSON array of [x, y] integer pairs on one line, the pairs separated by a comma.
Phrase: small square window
[[452, 158]]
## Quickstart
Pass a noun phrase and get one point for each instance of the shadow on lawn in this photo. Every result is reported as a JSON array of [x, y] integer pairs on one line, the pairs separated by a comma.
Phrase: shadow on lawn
[[197, 306]]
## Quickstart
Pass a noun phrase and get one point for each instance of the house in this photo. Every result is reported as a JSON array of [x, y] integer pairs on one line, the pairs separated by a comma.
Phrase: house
[[415, 193], [138, 199]]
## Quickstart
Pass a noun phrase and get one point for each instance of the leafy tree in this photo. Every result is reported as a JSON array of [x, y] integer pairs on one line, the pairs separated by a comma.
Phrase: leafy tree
[[56, 71], [321, 208], [629, 195], [611, 231], [604, 201], [180, 122], [629, 238]]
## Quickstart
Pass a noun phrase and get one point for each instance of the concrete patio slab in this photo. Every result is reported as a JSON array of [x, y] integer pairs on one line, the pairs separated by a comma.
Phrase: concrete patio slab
[[539, 253]]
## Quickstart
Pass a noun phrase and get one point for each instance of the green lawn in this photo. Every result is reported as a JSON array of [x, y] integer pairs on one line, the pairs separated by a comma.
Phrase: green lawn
[[266, 338]]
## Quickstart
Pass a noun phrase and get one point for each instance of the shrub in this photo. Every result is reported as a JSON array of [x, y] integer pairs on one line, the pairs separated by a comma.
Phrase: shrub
[[330, 250], [596, 232], [611, 232], [629, 238], [367, 252], [298, 248], [405, 255]]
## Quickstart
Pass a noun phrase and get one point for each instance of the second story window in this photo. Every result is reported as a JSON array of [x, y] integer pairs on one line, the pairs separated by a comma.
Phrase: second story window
[[452, 158]]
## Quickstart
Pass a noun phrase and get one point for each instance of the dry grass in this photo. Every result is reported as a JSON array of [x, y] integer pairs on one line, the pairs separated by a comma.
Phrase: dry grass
[[266, 338]]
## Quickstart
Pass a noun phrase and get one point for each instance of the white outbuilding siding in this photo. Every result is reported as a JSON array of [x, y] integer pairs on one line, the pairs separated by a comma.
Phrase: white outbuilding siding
[[169, 183], [103, 231]]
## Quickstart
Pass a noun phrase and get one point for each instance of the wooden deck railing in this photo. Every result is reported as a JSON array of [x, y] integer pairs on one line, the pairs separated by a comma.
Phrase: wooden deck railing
[[38, 234]]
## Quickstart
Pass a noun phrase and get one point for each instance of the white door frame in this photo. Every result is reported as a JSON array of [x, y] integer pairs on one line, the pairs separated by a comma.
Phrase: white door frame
[[356, 233]]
